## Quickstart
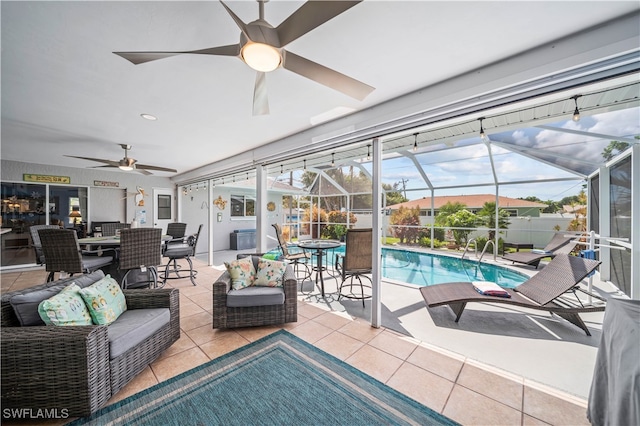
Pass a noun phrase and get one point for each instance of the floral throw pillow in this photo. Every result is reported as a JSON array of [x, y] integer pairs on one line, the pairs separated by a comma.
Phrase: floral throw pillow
[[242, 273], [270, 273], [105, 300], [65, 308]]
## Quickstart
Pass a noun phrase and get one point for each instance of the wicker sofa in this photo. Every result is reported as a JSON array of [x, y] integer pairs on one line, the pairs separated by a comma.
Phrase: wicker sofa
[[249, 316], [71, 368]]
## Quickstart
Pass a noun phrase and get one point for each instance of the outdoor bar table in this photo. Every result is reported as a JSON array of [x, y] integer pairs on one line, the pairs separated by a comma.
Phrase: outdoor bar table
[[318, 247]]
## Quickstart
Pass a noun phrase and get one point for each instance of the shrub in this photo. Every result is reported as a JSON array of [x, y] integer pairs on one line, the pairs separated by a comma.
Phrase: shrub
[[314, 215], [426, 242], [406, 224]]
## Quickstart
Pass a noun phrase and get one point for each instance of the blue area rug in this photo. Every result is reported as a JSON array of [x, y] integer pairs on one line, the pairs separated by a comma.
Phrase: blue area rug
[[277, 380]]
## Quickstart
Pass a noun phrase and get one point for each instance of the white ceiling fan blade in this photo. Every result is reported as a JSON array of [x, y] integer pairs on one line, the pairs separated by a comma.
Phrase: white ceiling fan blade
[[139, 166], [142, 57], [99, 160], [309, 16], [237, 20], [260, 100], [326, 76]]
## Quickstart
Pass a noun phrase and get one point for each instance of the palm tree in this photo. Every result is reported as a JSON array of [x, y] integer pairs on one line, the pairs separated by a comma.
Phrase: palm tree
[[487, 217]]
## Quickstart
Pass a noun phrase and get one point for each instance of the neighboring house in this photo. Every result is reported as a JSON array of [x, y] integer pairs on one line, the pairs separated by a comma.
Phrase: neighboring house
[[473, 203]]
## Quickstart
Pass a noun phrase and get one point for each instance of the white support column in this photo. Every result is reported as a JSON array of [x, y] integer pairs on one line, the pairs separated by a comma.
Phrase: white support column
[[261, 210], [376, 219], [635, 226], [605, 222], [212, 221], [433, 218]]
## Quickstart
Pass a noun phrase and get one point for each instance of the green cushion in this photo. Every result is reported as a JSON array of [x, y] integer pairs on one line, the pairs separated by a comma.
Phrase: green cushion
[[270, 273], [242, 273], [104, 300], [65, 308]]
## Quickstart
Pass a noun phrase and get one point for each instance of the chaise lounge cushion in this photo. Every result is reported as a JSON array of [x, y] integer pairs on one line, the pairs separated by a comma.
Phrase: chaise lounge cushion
[[133, 327], [255, 296]]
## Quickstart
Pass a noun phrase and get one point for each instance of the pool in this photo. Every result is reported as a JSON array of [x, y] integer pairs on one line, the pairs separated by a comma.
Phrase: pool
[[424, 269]]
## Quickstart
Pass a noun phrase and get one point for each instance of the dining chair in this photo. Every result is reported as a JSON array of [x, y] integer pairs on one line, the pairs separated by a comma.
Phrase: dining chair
[[62, 253], [176, 251], [140, 254], [298, 259], [356, 263], [37, 244], [109, 229], [176, 230]]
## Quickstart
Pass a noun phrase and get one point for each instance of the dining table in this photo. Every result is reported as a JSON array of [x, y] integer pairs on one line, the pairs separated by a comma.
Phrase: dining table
[[112, 240], [317, 248]]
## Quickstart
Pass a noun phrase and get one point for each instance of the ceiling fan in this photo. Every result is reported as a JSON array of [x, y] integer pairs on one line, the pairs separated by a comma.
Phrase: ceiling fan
[[127, 163], [261, 47]]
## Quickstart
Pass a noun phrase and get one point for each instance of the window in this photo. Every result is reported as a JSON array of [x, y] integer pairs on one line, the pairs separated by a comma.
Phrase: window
[[242, 205], [164, 206]]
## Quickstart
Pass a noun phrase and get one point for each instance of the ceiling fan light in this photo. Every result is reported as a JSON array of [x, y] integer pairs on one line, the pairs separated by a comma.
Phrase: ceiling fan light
[[126, 164], [261, 57]]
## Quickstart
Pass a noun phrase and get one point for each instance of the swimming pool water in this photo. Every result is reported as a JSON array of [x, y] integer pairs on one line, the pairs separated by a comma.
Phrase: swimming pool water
[[424, 269]]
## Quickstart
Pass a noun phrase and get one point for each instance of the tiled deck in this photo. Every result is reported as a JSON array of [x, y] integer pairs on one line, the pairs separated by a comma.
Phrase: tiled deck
[[468, 391]]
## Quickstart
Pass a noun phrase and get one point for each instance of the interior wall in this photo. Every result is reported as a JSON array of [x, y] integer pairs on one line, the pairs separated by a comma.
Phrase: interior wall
[[101, 209], [195, 206]]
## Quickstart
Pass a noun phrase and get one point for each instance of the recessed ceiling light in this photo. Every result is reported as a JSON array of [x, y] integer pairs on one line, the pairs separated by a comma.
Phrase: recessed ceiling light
[[149, 117]]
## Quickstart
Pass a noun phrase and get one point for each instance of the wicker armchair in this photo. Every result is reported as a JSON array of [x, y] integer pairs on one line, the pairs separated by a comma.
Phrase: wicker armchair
[[250, 316], [51, 367]]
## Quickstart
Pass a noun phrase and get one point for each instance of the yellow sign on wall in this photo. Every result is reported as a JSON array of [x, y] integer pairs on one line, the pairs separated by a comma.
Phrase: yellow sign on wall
[[27, 177]]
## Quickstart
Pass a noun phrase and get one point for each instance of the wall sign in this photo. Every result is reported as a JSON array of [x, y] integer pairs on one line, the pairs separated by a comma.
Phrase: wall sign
[[106, 183], [28, 177]]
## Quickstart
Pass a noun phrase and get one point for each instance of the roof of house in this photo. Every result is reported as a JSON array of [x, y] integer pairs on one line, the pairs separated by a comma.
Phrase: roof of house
[[470, 201]]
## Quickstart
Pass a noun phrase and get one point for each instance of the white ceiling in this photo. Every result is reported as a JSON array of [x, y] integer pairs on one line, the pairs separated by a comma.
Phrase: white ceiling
[[65, 92]]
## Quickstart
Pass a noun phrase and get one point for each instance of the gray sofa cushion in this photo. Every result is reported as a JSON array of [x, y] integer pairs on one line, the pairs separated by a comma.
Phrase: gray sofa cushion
[[255, 296], [133, 327], [25, 305]]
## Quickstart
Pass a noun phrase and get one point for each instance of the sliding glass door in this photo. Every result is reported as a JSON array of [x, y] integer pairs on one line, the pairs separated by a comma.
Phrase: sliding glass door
[[25, 205]]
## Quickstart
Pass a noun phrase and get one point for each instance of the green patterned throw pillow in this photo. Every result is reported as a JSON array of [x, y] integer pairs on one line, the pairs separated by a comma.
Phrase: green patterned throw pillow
[[270, 273], [242, 273], [65, 308], [105, 300]]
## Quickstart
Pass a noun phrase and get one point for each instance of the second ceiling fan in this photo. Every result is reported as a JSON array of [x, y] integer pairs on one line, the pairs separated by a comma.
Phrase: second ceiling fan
[[261, 47]]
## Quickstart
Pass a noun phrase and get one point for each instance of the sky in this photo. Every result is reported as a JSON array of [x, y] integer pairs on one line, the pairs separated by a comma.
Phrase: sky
[[469, 163]]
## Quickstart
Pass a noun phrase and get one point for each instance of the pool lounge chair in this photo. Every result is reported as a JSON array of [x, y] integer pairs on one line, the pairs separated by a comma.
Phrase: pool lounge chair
[[560, 244], [541, 292]]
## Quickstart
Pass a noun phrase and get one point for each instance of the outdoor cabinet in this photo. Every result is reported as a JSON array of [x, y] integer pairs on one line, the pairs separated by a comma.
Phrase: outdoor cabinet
[[242, 239]]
